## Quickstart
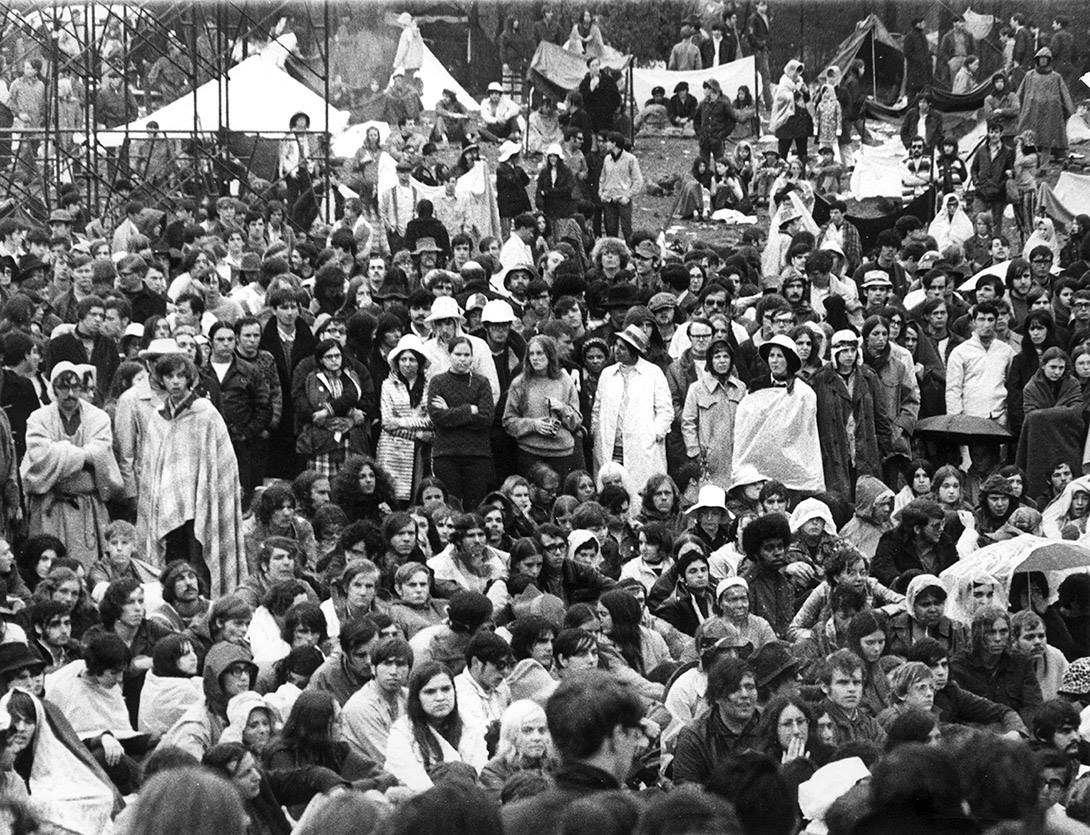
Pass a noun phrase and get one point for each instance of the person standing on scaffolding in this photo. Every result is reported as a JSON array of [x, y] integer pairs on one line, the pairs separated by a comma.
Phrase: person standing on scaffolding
[[296, 166]]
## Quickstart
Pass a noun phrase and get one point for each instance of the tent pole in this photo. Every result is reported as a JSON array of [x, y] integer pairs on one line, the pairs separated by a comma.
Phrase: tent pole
[[631, 108], [873, 67]]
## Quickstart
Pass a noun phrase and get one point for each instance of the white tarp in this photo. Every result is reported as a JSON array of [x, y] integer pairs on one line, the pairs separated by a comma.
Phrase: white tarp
[[730, 77], [1073, 191], [351, 140], [878, 170], [257, 97], [978, 25], [436, 79]]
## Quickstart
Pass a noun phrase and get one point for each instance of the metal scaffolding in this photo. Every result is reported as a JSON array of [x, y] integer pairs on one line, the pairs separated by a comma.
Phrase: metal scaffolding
[[78, 45]]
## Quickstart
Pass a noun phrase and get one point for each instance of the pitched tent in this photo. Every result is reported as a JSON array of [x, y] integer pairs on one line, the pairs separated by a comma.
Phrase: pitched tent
[[557, 71], [257, 97], [436, 79], [872, 43]]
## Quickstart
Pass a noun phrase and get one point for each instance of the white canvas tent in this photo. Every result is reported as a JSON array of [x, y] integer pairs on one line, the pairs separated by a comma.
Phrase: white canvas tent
[[257, 96], [436, 79], [730, 77]]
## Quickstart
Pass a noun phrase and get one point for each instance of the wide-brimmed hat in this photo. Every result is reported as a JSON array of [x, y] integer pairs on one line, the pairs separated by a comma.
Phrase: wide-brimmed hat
[[876, 278], [771, 661], [404, 19], [508, 150], [159, 348], [60, 216], [408, 342], [621, 295], [498, 312], [634, 337], [554, 149], [445, 307], [495, 87], [17, 656], [710, 497], [426, 245], [787, 345]]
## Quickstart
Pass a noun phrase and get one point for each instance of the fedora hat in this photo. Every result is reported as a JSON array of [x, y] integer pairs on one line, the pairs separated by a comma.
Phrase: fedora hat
[[426, 245], [634, 337]]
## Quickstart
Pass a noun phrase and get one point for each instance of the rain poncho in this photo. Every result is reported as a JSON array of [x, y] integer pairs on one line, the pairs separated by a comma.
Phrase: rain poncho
[[1055, 521], [784, 448], [68, 789], [1043, 237], [961, 606], [951, 228], [861, 530], [809, 509]]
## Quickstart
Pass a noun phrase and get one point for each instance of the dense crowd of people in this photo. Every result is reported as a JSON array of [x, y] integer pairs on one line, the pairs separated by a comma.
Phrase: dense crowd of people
[[400, 525]]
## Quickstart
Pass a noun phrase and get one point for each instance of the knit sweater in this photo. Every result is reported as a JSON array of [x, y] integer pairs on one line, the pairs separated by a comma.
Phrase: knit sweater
[[458, 432], [528, 401]]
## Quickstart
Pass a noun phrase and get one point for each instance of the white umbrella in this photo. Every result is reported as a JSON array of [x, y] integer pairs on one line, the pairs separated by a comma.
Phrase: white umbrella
[[999, 269], [1057, 558]]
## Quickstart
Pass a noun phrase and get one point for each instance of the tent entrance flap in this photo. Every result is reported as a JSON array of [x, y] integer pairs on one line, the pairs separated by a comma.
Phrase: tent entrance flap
[[880, 53]]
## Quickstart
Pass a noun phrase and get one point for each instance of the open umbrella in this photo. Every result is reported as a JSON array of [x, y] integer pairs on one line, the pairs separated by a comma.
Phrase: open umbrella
[[1022, 553], [962, 428], [999, 269]]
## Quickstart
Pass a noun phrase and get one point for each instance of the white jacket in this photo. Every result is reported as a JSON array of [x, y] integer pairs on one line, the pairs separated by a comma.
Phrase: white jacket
[[650, 413], [404, 761], [976, 379]]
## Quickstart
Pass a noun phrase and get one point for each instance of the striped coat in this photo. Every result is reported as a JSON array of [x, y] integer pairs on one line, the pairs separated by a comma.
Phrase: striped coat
[[188, 470], [403, 428]]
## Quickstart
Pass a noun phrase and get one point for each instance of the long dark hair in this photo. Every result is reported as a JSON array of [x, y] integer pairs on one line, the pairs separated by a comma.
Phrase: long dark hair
[[624, 611], [307, 733], [450, 728]]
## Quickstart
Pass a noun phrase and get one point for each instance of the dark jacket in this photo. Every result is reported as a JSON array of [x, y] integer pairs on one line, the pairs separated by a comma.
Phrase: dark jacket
[[990, 173], [574, 582], [872, 427], [458, 432], [956, 705], [601, 103], [104, 357], [676, 109], [706, 741], [771, 595], [679, 609], [303, 346], [932, 124], [896, 554], [918, 73], [511, 182], [950, 634], [714, 120], [244, 401], [555, 199], [427, 227], [18, 399], [145, 303], [538, 815], [1012, 682]]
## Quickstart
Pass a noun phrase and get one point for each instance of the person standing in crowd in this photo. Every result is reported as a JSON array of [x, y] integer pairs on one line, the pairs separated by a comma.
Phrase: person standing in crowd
[[69, 471], [758, 32], [632, 410], [1046, 105], [918, 60], [621, 181]]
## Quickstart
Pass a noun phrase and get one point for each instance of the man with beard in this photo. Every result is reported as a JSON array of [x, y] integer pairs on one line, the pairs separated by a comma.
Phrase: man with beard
[[183, 604]]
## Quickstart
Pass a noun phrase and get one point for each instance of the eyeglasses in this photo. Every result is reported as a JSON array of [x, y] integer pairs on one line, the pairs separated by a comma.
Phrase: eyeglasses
[[713, 303], [696, 336], [554, 548], [637, 257], [1041, 260]]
